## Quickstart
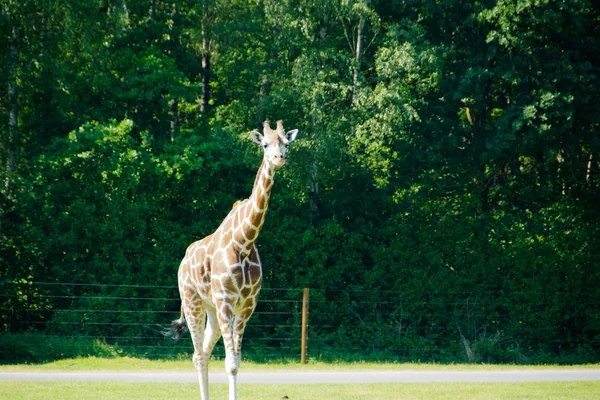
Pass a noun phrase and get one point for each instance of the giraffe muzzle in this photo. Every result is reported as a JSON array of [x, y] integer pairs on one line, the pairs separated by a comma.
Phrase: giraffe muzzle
[[278, 161]]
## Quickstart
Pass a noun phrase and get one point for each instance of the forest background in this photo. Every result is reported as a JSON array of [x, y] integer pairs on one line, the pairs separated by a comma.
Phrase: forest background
[[448, 157]]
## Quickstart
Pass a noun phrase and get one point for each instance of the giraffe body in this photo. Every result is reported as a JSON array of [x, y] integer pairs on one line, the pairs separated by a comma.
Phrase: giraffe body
[[220, 276]]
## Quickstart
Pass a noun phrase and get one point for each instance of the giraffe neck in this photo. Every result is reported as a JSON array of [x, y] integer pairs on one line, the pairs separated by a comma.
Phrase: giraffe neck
[[253, 214]]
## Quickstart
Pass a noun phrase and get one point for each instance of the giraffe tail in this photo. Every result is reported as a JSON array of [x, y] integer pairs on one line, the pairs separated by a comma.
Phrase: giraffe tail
[[178, 327]]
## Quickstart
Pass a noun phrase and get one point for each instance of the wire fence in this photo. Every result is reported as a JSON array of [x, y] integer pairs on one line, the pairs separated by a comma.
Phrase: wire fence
[[132, 319], [87, 319]]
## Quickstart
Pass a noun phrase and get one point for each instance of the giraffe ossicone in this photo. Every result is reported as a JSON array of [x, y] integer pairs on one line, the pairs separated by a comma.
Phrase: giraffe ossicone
[[220, 276]]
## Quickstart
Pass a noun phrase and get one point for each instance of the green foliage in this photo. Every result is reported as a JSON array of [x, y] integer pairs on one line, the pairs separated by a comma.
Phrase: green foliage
[[27, 348], [452, 168]]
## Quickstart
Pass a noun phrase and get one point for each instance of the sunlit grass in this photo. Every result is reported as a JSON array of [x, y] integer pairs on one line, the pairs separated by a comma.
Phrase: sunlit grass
[[173, 391], [148, 391], [140, 364]]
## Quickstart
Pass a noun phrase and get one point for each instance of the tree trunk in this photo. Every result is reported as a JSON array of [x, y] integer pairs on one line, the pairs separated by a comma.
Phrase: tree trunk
[[174, 118], [264, 91], [314, 164], [588, 169], [174, 102], [13, 113], [205, 80], [359, 52], [206, 44], [48, 111], [314, 188]]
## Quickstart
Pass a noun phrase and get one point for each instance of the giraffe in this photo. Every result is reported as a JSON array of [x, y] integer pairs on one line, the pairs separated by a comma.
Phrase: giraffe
[[220, 276]]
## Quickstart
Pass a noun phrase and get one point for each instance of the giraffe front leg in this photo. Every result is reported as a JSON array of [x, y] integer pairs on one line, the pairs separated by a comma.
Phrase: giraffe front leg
[[237, 346], [238, 333], [226, 324], [233, 360]]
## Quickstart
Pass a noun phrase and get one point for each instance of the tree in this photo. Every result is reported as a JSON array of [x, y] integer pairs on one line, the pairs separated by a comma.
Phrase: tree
[[447, 157]]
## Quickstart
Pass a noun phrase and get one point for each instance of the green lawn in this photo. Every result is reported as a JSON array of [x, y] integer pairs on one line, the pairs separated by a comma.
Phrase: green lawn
[[148, 391], [138, 364], [173, 391]]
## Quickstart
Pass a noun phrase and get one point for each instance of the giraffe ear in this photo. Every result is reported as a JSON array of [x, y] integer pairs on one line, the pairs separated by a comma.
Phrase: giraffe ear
[[257, 137], [291, 135]]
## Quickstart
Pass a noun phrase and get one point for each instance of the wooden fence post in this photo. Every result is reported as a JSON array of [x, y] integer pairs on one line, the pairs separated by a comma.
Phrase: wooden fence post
[[304, 344]]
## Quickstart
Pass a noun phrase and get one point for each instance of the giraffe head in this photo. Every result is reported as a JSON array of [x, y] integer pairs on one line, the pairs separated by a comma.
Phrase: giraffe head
[[274, 142]]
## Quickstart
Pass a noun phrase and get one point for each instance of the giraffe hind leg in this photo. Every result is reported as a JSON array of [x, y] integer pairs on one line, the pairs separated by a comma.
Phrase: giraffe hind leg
[[212, 332]]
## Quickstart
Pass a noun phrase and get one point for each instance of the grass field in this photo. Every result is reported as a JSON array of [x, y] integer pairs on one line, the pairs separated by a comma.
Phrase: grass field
[[140, 364], [186, 391], [173, 391]]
